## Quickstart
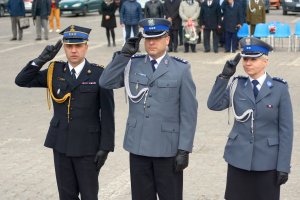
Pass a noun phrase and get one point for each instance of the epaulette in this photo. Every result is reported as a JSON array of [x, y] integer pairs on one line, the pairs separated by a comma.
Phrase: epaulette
[[279, 80], [179, 59], [138, 56], [240, 77], [96, 65]]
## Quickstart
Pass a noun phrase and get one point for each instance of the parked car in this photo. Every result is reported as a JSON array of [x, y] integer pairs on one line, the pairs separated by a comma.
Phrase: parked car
[[80, 6], [3, 7], [275, 3], [290, 5], [28, 5]]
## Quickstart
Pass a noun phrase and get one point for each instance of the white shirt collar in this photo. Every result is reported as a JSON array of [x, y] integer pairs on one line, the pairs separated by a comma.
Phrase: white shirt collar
[[260, 80], [158, 60], [77, 68]]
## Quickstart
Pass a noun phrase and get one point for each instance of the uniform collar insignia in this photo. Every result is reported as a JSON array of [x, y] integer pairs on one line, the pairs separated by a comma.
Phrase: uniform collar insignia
[[269, 84]]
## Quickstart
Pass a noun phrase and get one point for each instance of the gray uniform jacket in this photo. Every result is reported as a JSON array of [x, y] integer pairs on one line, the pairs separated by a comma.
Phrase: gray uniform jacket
[[270, 145], [164, 120]]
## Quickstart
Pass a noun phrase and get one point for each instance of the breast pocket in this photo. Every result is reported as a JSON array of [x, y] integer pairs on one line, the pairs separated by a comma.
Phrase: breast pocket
[[59, 88], [137, 83], [88, 88], [166, 89]]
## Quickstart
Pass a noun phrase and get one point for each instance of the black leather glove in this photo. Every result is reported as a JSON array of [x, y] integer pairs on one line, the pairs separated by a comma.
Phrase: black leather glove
[[132, 45], [282, 178], [100, 158], [181, 160], [48, 54], [230, 67]]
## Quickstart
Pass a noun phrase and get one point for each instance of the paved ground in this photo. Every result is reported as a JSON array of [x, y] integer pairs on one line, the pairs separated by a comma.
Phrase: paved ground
[[26, 167]]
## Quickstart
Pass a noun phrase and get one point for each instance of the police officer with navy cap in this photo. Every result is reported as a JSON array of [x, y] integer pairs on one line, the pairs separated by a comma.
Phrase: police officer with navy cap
[[162, 111], [259, 146], [81, 132]]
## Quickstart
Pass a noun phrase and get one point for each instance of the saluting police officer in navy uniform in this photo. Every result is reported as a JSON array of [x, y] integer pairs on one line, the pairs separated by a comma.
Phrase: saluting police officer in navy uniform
[[81, 132], [162, 112], [259, 146]]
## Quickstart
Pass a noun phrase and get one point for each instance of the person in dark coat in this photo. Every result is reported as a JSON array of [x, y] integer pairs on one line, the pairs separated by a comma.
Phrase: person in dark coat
[[154, 9], [40, 12], [16, 9], [259, 146], [210, 21], [81, 132], [109, 20], [130, 15], [232, 20], [172, 14]]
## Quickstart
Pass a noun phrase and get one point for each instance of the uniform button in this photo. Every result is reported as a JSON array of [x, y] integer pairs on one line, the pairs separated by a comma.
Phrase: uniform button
[[71, 118], [148, 106], [71, 108], [72, 99], [150, 95], [147, 116], [151, 85]]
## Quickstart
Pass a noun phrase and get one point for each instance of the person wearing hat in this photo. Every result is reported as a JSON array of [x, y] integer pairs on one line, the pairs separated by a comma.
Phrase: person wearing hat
[[259, 145], [162, 111], [81, 132]]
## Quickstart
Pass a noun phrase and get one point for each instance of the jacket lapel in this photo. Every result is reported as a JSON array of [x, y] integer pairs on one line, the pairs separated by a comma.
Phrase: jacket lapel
[[248, 90], [161, 69], [265, 90]]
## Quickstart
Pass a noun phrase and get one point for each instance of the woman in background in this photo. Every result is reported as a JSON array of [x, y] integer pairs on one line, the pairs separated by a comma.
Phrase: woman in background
[[109, 8]]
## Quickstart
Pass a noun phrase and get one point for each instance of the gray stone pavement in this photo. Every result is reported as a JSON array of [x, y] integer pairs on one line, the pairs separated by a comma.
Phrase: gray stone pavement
[[26, 166]]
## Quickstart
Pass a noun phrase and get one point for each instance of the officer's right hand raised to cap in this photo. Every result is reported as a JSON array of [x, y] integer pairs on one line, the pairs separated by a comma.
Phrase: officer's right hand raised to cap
[[48, 53], [132, 45], [230, 67]]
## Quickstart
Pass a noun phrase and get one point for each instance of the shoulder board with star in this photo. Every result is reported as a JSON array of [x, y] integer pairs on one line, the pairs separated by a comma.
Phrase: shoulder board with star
[[96, 65], [59, 63], [240, 77], [138, 56], [279, 80], [179, 59]]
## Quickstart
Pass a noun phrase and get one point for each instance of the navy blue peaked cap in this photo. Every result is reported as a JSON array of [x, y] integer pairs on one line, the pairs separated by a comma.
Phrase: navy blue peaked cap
[[154, 27], [75, 34], [254, 47]]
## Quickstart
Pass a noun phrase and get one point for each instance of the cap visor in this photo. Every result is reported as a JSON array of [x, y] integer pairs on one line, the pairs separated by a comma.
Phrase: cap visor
[[153, 34]]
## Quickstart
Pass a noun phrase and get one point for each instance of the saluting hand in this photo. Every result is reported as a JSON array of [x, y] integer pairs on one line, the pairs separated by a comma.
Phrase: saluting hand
[[48, 53], [230, 67], [132, 45], [100, 159]]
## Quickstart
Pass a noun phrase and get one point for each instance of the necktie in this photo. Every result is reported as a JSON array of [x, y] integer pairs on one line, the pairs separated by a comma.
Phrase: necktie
[[73, 72], [255, 89], [153, 62]]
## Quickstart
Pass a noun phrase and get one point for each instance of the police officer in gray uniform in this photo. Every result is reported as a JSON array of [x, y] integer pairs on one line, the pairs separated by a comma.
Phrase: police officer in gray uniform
[[259, 146], [162, 112]]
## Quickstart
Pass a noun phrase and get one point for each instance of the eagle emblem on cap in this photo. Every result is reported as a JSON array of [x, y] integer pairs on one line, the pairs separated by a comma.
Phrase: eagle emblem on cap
[[151, 22], [72, 28], [248, 41]]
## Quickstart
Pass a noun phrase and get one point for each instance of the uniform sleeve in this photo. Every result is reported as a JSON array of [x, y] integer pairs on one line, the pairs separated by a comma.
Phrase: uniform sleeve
[[107, 106], [188, 112], [219, 96], [31, 76], [113, 75], [285, 132]]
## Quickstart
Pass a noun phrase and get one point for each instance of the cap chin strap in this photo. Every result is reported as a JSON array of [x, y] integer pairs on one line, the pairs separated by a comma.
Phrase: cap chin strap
[[153, 36], [143, 92], [246, 115]]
